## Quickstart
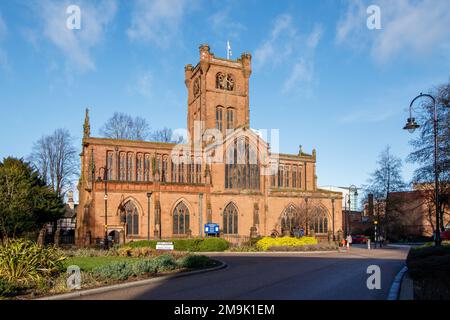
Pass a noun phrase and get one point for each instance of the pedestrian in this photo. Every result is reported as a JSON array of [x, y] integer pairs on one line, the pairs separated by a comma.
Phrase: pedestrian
[[349, 241]]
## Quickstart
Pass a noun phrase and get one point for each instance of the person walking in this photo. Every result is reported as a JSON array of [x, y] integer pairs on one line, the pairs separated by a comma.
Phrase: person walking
[[349, 242]]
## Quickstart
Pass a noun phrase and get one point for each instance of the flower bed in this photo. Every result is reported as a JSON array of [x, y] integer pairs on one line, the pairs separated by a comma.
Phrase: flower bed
[[27, 270], [308, 247], [267, 242]]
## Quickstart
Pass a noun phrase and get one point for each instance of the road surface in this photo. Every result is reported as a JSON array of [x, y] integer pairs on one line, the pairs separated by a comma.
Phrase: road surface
[[279, 276]]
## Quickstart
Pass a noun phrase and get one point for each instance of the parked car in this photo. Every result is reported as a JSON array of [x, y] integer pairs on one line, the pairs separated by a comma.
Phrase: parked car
[[359, 238], [445, 235]]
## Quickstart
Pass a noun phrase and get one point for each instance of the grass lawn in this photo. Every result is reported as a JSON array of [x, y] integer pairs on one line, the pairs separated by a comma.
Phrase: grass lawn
[[89, 263]]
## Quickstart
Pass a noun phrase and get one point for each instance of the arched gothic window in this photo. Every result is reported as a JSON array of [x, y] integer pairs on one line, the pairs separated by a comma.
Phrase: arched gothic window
[[109, 165], [130, 166], [164, 170], [147, 167], [219, 118], [320, 223], [290, 218], [122, 166], [180, 219], [230, 219], [139, 167], [132, 216], [294, 177], [230, 118]]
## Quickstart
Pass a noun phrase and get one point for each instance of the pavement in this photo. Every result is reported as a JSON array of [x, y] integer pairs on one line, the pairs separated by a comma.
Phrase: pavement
[[283, 276]]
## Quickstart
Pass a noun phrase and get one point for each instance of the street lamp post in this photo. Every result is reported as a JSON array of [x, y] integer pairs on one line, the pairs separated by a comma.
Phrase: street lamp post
[[411, 126], [350, 189], [105, 180]]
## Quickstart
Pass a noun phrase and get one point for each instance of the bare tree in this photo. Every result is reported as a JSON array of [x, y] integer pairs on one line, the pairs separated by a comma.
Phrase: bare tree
[[123, 126], [166, 135], [423, 146], [385, 179], [55, 158]]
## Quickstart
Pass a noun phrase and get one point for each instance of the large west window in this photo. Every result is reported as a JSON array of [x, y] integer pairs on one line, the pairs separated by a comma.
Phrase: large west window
[[241, 166]]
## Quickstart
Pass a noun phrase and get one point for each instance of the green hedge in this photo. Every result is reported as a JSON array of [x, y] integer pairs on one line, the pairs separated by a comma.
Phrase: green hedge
[[193, 261], [196, 244], [429, 267]]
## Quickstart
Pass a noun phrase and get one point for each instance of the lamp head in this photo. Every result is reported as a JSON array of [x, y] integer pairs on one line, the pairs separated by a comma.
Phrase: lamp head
[[411, 125]]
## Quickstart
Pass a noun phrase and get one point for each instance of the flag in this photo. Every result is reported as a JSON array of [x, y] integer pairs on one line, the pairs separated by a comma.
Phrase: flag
[[229, 53]]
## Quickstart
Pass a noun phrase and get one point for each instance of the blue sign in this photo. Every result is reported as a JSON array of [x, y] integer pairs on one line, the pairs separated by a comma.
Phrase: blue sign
[[211, 228]]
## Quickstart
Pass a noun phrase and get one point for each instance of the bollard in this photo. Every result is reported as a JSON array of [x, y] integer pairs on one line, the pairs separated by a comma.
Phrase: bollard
[[368, 244]]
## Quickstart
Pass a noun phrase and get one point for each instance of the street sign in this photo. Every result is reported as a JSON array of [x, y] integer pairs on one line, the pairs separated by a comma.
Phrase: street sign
[[164, 246]]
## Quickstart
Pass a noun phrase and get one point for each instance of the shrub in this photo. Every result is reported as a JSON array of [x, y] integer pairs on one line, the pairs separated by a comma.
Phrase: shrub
[[213, 244], [318, 247], [122, 270], [267, 242], [427, 261], [136, 252], [429, 267], [192, 245], [7, 288], [90, 252], [26, 263], [117, 271], [164, 262], [194, 261], [244, 248]]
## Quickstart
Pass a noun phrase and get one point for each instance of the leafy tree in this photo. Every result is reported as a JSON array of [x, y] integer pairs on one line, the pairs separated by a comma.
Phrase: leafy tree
[[423, 145], [26, 202], [56, 159], [123, 126]]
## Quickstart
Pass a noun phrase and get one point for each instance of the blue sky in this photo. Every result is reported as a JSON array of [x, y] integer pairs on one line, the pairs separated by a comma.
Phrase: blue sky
[[319, 74]]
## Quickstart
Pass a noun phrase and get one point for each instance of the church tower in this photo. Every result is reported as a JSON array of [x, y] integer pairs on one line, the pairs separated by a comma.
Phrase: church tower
[[218, 92]]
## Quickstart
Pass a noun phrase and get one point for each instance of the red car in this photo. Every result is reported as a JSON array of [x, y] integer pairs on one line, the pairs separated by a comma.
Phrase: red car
[[445, 235], [359, 238]]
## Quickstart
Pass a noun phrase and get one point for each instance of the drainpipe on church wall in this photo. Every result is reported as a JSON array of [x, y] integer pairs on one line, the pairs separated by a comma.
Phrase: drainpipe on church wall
[[200, 214]]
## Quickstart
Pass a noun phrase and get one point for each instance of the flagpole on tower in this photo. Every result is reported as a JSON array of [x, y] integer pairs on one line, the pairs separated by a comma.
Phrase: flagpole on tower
[[229, 53]]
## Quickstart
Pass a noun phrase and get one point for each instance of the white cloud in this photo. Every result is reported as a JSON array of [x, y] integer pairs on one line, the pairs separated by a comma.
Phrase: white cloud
[[143, 84], [409, 28], [156, 21], [287, 46], [280, 43], [76, 45], [222, 24], [365, 116]]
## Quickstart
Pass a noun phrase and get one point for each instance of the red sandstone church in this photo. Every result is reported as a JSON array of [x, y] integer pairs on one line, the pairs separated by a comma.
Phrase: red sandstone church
[[225, 174]]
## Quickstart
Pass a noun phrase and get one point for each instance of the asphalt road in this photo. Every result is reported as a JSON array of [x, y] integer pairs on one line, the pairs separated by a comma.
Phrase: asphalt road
[[318, 276]]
